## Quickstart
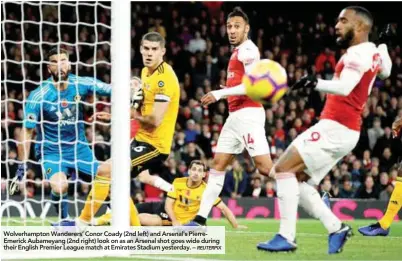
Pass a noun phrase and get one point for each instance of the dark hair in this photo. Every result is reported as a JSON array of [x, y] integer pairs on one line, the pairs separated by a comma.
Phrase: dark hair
[[362, 12], [197, 162], [237, 11], [154, 37], [56, 50]]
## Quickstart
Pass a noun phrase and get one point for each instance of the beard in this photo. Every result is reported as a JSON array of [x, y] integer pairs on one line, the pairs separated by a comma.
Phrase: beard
[[345, 41], [56, 77]]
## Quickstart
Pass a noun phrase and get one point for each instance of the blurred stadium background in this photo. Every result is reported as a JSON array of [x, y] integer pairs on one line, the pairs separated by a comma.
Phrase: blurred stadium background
[[198, 50]]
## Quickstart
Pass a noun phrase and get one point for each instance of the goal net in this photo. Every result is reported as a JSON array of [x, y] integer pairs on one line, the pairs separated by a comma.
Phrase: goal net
[[29, 31]]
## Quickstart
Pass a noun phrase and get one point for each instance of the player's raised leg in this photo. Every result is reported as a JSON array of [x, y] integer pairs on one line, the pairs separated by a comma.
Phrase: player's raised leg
[[156, 181], [312, 203], [314, 152]]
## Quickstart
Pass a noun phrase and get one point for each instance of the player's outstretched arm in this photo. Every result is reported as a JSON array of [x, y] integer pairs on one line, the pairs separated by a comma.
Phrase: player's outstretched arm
[[229, 215], [348, 79], [169, 210], [354, 67], [215, 96], [96, 86]]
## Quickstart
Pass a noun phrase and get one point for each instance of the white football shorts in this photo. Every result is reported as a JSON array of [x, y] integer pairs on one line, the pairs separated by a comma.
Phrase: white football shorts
[[244, 129], [323, 145]]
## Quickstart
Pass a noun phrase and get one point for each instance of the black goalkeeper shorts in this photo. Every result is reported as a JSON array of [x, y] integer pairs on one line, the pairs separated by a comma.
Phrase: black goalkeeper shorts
[[144, 156]]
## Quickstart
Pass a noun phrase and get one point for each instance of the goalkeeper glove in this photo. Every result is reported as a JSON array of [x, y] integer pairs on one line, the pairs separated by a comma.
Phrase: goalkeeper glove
[[137, 97], [21, 170], [307, 81]]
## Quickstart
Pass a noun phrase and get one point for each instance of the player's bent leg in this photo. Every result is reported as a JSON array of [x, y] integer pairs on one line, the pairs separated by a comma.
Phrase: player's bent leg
[[290, 161], [98, 193], [222, 160], [150, 219], [214, 187], [263, 163], [155, 181]]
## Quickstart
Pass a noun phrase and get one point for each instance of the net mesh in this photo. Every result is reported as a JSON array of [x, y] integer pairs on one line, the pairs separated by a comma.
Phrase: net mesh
[[29, 30]]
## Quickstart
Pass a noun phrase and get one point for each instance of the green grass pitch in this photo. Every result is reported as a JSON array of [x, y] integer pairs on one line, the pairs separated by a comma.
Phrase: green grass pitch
[[311, 238]]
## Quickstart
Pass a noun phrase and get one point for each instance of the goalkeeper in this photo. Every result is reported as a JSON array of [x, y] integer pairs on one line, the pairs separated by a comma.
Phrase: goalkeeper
[[153, 141], [55, 110]]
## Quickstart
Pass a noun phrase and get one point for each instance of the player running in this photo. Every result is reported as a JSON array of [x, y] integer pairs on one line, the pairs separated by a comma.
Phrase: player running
[[153, 140], [55, 110], [381, 228], [245, 126], [182, 203], [319, 148]]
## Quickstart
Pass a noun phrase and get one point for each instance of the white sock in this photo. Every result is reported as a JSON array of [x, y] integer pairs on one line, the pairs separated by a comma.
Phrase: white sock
[[312, 203], [288, 199], [160, 183], [211, 193]]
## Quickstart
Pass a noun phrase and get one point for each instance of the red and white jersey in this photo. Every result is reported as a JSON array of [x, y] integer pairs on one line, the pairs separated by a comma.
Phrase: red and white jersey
[[347, 110], [243, 58]]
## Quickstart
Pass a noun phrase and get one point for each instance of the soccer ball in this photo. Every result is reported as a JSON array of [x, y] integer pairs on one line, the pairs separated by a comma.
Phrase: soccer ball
[[267, 81]]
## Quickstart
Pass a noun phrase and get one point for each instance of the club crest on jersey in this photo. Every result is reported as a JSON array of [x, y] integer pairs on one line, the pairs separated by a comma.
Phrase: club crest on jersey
[[64, 103], [161, 84]]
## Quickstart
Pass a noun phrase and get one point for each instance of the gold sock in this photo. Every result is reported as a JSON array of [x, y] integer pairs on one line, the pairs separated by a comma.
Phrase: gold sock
[[394, 205], [96, 197], [134, 216], [104, 220]]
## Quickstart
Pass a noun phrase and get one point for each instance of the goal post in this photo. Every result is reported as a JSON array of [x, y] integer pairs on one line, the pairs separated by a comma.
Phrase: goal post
[[121, 48]]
